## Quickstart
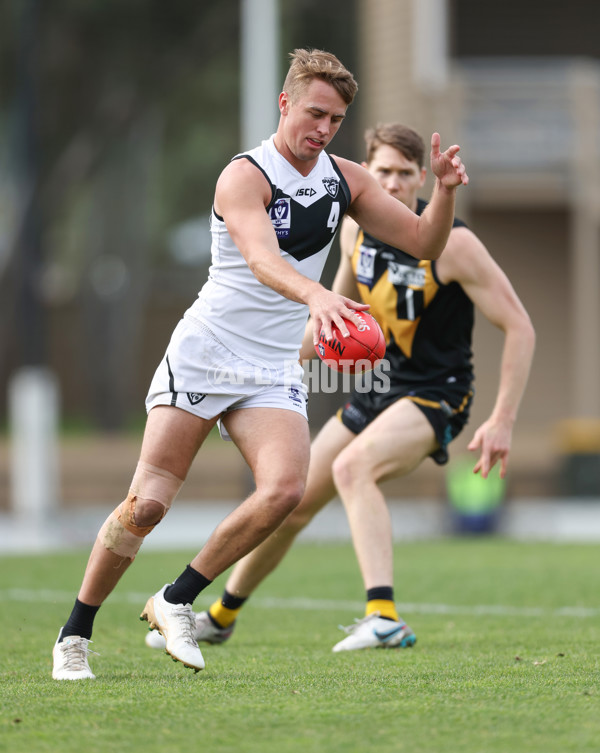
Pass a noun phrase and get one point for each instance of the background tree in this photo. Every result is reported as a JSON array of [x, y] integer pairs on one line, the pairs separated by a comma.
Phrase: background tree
[[137, 113]]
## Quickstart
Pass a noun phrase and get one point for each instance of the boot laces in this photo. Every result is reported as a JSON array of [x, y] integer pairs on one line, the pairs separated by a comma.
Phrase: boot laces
[[75, 651], [186, 622], [358, 622]]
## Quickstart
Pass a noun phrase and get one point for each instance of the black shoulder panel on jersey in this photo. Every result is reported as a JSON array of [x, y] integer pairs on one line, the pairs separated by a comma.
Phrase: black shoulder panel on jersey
[[255, 163], [343, 183]]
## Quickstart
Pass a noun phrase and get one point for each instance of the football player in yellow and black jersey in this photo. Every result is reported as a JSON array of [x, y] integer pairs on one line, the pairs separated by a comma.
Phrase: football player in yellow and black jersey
[[426, 311]]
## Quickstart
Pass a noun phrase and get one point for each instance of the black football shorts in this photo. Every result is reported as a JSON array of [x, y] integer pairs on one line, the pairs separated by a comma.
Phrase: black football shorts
[[446, 407]]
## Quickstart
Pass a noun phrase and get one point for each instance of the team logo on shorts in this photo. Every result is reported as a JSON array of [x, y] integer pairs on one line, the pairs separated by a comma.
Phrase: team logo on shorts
[[295, 396], [331, 186], [355, 415], [195, 397], [280, 214]]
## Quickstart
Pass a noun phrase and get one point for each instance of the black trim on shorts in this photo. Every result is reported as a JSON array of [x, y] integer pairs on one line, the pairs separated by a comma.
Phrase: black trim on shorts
[[171, 384]]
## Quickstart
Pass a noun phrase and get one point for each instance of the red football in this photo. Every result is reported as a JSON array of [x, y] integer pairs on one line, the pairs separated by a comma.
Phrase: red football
[[358, 352]]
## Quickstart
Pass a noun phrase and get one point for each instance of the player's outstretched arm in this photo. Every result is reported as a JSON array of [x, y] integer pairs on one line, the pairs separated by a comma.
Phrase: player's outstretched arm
[[435, 223], [467, 261], [388, 219]]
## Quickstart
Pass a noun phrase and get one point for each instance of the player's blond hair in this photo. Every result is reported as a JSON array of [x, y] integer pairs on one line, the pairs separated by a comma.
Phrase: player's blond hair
[[400, 137], [309, 64]]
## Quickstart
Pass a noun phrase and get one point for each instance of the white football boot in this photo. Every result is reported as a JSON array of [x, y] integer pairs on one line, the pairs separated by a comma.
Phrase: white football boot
[[177, 625], [70, 659], [376, 632], [206, 632]]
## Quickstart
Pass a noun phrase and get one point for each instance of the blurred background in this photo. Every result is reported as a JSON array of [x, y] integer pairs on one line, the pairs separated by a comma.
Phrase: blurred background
[[116, 119]]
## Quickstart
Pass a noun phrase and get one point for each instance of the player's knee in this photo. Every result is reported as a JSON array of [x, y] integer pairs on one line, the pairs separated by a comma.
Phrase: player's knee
[[126, 527], [290, 495], [348, 468], [284, 495], [150, 497], [141, 513]]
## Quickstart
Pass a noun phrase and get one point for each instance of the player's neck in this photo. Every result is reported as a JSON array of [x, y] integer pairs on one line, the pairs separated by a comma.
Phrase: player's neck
[[304, 167]]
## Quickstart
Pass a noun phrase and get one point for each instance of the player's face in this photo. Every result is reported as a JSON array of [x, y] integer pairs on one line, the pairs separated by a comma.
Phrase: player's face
[[400, 177], [309, 123]]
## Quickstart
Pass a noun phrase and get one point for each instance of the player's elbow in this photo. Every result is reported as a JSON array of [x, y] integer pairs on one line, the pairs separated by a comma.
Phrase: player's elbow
[[257, 266], [431, 238], [427, 251], [521, 333], [431, 254], [528, 335]]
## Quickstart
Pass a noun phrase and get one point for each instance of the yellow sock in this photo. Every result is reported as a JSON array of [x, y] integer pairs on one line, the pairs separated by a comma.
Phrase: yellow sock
[[223, 616], [383, 606]]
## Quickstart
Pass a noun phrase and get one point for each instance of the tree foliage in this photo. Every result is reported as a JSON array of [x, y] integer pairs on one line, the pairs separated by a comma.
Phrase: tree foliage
[[134, 106]]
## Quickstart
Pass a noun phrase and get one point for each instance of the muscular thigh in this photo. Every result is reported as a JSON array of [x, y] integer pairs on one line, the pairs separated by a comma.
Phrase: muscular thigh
[[395, 442], [275, 442], [173, 437]]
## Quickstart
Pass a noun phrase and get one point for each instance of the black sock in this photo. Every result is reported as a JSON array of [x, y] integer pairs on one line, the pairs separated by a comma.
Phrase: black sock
[[80, 622], [224, 611], [185, 589], [380, 593], [229, 601]]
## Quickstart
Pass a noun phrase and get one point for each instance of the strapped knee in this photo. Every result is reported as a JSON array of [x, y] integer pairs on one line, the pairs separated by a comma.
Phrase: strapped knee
[[120, 533]]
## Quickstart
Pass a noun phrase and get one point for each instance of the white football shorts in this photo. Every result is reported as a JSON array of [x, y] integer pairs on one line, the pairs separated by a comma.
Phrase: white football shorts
[[200, 375]]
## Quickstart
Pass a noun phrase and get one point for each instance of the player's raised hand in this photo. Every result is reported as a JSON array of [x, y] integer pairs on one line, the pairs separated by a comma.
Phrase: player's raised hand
[[447, 166]]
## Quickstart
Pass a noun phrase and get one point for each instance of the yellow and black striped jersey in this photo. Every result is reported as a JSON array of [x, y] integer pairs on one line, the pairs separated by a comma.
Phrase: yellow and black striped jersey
[[427, 325]]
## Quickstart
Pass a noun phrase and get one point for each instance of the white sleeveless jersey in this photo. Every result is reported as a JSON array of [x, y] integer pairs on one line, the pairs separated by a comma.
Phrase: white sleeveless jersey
[[248, 317]]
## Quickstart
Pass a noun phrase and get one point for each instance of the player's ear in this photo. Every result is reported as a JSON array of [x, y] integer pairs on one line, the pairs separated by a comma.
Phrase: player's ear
[[284, 103], [423, 176], [365, 164]]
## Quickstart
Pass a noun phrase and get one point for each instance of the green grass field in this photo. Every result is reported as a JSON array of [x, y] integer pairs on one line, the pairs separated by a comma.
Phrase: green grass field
[[507, 658]]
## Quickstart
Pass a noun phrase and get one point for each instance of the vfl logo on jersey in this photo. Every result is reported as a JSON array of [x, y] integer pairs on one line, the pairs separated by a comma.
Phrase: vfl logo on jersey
[[331, 186], [195, 397], [280, 214], [365, 268]]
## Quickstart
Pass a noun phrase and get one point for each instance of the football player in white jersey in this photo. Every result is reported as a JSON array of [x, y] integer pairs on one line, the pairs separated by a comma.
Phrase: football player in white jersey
[[228, 359], [386, 433]]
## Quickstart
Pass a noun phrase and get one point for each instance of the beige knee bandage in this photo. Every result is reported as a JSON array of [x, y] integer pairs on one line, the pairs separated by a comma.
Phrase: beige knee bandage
[[120, 533]]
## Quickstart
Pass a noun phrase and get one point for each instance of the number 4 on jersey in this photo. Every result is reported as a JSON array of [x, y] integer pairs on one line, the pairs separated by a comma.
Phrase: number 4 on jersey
[[334, 216]]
